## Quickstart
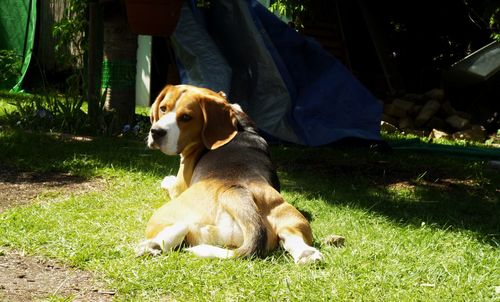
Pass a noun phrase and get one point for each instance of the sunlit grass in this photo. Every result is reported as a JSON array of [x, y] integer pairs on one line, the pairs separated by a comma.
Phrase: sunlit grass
[[410, 235]]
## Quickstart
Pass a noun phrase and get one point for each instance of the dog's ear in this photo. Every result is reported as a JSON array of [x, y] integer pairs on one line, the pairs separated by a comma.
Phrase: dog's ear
[[154, 113], [220, 123]]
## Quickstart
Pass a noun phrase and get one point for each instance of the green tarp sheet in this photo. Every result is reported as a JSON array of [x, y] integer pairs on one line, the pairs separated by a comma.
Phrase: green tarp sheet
[[17, 33]]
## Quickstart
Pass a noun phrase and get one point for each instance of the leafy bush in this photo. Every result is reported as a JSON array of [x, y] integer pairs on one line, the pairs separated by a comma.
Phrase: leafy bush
[[70, 34], [10, 68], [495, 24], [56, 112], [290, 9], [50, 112]]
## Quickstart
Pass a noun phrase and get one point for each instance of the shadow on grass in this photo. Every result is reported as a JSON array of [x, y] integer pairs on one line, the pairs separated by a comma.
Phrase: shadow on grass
[[408, 188], [83, 157]]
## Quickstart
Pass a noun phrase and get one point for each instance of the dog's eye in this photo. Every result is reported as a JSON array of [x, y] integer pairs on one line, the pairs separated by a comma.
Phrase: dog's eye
[[163, 108], [185, 118]]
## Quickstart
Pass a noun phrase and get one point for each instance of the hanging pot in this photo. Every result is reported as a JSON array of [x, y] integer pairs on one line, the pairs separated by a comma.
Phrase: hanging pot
[[153, 17]]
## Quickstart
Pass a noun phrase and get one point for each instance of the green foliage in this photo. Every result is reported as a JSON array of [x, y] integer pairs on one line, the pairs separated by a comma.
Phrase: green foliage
[[495, 24], [10, 68], [291, 9], [71, 32], [65, 112], [50, 112]]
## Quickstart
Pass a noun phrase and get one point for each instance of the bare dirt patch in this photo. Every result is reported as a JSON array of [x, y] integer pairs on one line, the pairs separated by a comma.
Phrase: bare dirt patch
[[30, 278], [33, 279], [22, 187]]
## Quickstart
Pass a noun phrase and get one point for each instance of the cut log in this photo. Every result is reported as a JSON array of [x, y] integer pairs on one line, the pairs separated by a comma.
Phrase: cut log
[[395, 111], [476, 133], [403, 104], [389, 119], [430, 108], [415, 110], [464, 115], [437, 134], [415, 98], [387, 127], [406, 123], [447, 109], [420, 133], [458, 122], [435, 94], [436, 123]]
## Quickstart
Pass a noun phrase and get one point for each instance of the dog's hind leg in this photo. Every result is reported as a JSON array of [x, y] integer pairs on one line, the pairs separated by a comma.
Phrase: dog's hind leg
[[294, 233], [167, 239], [301, 252]]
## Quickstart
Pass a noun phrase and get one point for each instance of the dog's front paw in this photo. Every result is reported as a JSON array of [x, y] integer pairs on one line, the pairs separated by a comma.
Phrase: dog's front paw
[[310, 255], [168, 182], [148, 247]]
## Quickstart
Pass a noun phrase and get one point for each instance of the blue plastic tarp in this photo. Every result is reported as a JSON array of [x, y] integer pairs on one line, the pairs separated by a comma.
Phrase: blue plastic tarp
[[291, 87]]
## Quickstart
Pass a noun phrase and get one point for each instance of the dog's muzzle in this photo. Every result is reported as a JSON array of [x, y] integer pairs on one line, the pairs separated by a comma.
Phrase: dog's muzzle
[[156, 134]]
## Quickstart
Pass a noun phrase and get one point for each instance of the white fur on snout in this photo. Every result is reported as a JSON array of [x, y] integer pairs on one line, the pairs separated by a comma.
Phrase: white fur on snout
[[168, 143]]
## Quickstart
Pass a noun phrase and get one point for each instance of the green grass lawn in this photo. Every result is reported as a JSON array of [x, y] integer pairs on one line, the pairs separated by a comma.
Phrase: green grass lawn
[[418, 226]]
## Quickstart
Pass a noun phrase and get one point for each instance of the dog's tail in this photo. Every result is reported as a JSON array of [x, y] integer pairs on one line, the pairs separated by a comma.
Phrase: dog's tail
[[239, 203]]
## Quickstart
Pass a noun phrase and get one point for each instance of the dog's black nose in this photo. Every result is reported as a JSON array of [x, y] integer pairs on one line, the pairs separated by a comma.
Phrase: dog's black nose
[[157, 133]]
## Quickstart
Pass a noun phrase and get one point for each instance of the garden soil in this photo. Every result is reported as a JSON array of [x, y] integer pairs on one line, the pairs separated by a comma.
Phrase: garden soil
[[30, 278]]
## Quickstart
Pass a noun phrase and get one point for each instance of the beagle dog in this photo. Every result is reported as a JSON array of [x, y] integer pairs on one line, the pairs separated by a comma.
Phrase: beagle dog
[[225, 199]]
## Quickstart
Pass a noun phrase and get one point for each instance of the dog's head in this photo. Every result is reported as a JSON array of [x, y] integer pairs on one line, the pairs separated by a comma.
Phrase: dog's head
[[184, 116]]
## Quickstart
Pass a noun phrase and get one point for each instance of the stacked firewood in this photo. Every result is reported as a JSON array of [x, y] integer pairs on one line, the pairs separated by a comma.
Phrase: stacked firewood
[[430, 114]]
